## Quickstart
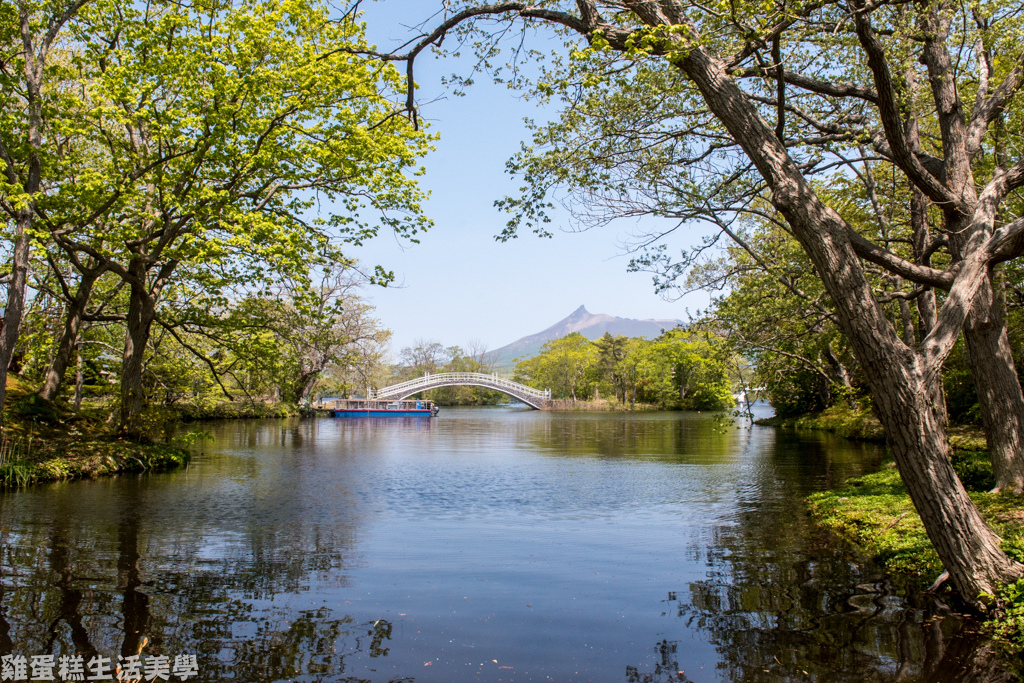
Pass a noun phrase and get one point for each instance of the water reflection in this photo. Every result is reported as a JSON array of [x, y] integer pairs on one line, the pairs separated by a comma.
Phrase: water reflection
[[487, 544], [784, 604], [92, 580]]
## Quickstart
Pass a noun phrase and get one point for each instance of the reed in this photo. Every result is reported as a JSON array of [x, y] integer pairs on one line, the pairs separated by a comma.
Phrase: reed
[[14, 449], [16, 474]]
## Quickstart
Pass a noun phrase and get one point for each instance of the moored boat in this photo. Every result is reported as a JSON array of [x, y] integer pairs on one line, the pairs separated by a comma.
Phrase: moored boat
[[354, 407]]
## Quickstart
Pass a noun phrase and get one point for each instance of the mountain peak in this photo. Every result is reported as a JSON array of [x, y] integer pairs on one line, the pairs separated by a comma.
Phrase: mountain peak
[[580, 312], [590, 325]]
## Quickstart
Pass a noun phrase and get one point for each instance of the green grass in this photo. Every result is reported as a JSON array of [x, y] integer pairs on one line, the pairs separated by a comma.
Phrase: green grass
[[875, 514], [43, 441], [90, 458], [860, 423]]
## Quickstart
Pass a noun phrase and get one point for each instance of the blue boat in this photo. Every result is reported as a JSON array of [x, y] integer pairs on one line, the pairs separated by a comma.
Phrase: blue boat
[[355, 407]]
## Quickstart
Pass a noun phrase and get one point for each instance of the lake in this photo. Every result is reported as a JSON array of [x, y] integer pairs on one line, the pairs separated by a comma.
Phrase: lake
[[486, 544]]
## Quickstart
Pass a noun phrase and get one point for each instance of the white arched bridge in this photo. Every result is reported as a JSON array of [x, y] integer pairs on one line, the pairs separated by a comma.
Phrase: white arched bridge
[[534, 398]]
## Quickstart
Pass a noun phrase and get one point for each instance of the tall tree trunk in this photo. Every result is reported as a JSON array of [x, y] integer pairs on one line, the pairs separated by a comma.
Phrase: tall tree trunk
[[927, 310], [988, 349], [34, 65], [69, 337], [999, 393], [304, 384], [1000, 399], [139, 322], [142, 301], [15, 309], [970, 550]]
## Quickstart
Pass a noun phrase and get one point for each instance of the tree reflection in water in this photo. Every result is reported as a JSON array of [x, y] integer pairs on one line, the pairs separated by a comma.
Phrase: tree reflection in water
[[666, 667], [783, 603], [773, 636], [201, 612], [94, 575]]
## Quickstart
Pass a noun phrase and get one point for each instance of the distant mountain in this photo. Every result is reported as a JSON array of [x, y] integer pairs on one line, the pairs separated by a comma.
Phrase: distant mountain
[[590, 325]]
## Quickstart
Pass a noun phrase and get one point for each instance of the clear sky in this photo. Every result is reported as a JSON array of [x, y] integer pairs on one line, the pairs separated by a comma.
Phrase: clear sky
[[459, 284]]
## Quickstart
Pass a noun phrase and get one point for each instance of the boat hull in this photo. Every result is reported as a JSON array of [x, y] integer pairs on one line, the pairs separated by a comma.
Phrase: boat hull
[[381, 413], [361, 407]]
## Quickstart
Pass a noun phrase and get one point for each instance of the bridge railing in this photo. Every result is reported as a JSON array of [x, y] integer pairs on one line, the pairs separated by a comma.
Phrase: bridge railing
[[478, 378]]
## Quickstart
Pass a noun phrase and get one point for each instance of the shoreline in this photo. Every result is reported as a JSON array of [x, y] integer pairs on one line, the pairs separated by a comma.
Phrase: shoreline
[[873, 514], [862, 425], [89, 459]]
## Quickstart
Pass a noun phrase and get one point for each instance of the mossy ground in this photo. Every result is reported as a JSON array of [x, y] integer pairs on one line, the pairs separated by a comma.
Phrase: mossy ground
[[44, 441], [875, 514]]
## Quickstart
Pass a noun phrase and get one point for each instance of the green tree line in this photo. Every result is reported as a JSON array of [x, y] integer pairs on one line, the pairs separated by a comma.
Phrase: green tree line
[[776, 314], [679, 370]]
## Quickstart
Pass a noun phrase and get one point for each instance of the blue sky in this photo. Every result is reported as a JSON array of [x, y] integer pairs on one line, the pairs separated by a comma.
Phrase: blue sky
[[459, 284]]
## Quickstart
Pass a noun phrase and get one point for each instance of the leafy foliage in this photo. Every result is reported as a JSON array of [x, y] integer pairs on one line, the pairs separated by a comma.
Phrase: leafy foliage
[[679, 370], [201, 167]]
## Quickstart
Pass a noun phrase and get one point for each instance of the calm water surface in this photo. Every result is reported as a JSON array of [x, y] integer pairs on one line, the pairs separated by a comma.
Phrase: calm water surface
[[483, 545]]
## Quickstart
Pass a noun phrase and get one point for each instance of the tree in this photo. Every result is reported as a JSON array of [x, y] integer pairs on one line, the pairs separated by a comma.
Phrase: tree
[[777, 314], [630, 367], [611, 351], [28, 33], [216, 134], [426, 356], [76, 299], [566, 366], [324, 326], [466, 361], [432, 357], [689, 371], [849, 63], [289, 336]]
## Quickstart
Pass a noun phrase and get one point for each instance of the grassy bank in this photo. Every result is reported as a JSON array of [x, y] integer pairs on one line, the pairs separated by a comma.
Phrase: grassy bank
[[222, 410], [874, 513], [855, 423], [41, 459], [839, 419], [43, 442]]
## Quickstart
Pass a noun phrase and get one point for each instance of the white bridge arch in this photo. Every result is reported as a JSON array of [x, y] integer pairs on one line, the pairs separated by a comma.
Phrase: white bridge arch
[[532, 397]]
